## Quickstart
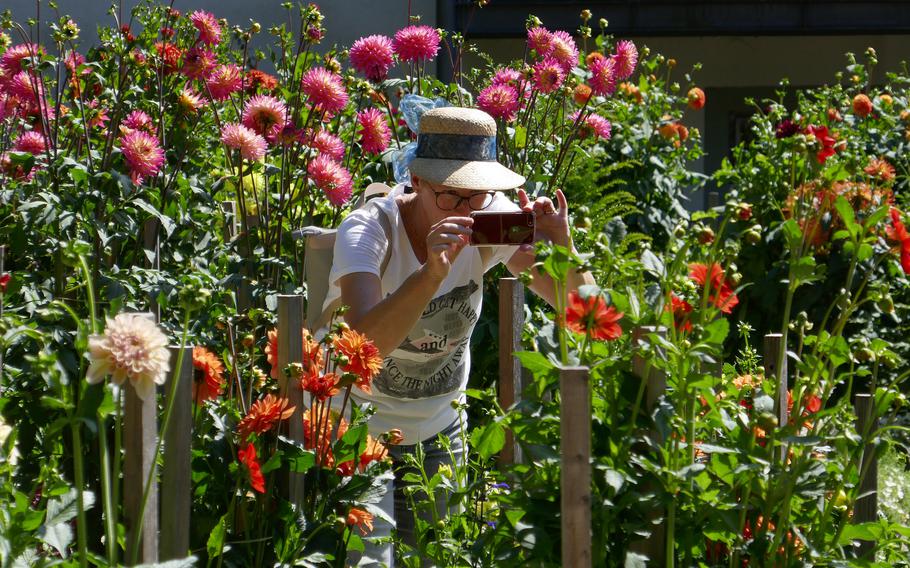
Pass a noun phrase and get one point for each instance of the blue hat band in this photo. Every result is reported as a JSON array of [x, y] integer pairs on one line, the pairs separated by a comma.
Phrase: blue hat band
[[469, 147]]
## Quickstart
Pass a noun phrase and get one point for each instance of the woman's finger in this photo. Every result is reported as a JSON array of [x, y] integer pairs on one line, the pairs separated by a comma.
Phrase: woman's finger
[[563, 203]]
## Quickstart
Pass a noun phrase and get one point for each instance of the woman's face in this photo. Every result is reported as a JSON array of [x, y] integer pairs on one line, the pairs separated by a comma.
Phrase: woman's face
[[440, 201]]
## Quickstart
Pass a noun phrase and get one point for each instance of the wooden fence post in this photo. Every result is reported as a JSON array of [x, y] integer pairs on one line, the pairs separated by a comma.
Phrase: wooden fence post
[[575, 432], [511, 323], [176, 472], [773, 348], [866, 508], [655, 385], [290, 350], [139, 439]]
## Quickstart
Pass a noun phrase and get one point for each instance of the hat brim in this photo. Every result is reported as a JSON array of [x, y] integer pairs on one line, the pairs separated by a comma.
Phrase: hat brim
[[466, 174]]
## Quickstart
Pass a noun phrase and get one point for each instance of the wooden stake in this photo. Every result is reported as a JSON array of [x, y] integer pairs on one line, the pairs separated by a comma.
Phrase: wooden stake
[[866, 508], [773, 347], [140, 436], [511, 323], [290, 350], [176, 472], [575, 431]]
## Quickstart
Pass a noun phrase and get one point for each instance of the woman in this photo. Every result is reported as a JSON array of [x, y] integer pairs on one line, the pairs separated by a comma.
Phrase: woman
[[415, 286]]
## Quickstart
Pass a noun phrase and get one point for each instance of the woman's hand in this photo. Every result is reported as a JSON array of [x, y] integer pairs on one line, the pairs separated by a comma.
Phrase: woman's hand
[[445, 242], [552, 222]]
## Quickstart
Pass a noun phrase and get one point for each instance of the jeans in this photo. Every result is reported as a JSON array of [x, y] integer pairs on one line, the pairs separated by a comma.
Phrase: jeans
[[395, 504]]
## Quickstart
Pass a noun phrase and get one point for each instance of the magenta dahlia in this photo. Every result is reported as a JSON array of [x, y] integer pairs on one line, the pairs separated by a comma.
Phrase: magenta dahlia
[[564, 50], [144, 157], [594, 124], [499, 101], [625, 59], [209, 30], [237, 136], [603, 76], [264, 114], [332, 178], [548, 75], [375, 133], [11, 60], [372, 56], [224, 80], [138, 120], [327, 143], [416, 43], [324, 89], [32, 142], [198, 62], [506, 76], [540, 40]]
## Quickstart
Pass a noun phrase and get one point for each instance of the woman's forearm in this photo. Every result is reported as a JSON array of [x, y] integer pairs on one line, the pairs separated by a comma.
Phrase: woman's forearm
[[388, 322]]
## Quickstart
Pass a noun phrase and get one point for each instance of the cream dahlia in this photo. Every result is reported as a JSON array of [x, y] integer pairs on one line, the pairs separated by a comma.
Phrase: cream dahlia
[[251, 145], [131, 347]]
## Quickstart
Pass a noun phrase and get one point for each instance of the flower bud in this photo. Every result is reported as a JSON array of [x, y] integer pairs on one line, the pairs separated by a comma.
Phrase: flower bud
[[864, 355], [585, 15], [248, 340], [886, 304], [603, 22], [255, 27]]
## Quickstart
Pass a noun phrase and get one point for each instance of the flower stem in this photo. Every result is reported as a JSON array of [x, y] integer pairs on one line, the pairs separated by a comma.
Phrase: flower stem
[[79, 481], [110, 526]]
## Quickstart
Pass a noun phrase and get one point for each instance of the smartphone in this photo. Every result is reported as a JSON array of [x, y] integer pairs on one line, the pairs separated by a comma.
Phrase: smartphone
[[492, 228]]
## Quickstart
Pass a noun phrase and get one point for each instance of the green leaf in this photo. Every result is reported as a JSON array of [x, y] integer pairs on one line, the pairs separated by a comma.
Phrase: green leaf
[[521, 136], [216, 538], [188, 562], [353, 442], [716, 331], [846, 212], [653, 264], [488, 440], [536, 362], [298, 458]]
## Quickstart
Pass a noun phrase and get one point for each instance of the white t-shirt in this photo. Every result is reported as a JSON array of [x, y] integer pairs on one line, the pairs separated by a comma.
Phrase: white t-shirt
[[429, 370]]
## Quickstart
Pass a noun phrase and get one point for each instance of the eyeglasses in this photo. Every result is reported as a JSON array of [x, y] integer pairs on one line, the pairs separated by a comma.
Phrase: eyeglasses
[[449, 200]]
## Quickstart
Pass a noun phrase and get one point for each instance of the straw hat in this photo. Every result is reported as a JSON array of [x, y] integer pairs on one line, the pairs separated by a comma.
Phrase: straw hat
[[456, 147]]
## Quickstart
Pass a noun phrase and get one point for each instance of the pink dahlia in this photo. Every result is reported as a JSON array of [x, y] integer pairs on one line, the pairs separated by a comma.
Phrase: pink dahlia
[[329, 176], [188, 101], [594, 124], [540, 40], [603, 78], [625, 59], [507, 76], [499, 101], [209, 30], [224, 80], [327, 143], [548, 75], [372, 56], [264, 114], [11, 60], [416, 43], [324, 89], [138, 120], [32, 142], [251, 145], [21, 86], [564, 50], [9, 105], [198, 62], [375, 133], [73, 60], [144, 157]]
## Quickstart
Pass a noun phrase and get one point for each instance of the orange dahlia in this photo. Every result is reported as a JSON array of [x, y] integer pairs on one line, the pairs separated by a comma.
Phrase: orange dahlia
[[321, 386], [592, 316], [721, 293], [247, 456], [208, 375], [264, 415], [364, 358], [360, 519], [271, 352]]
